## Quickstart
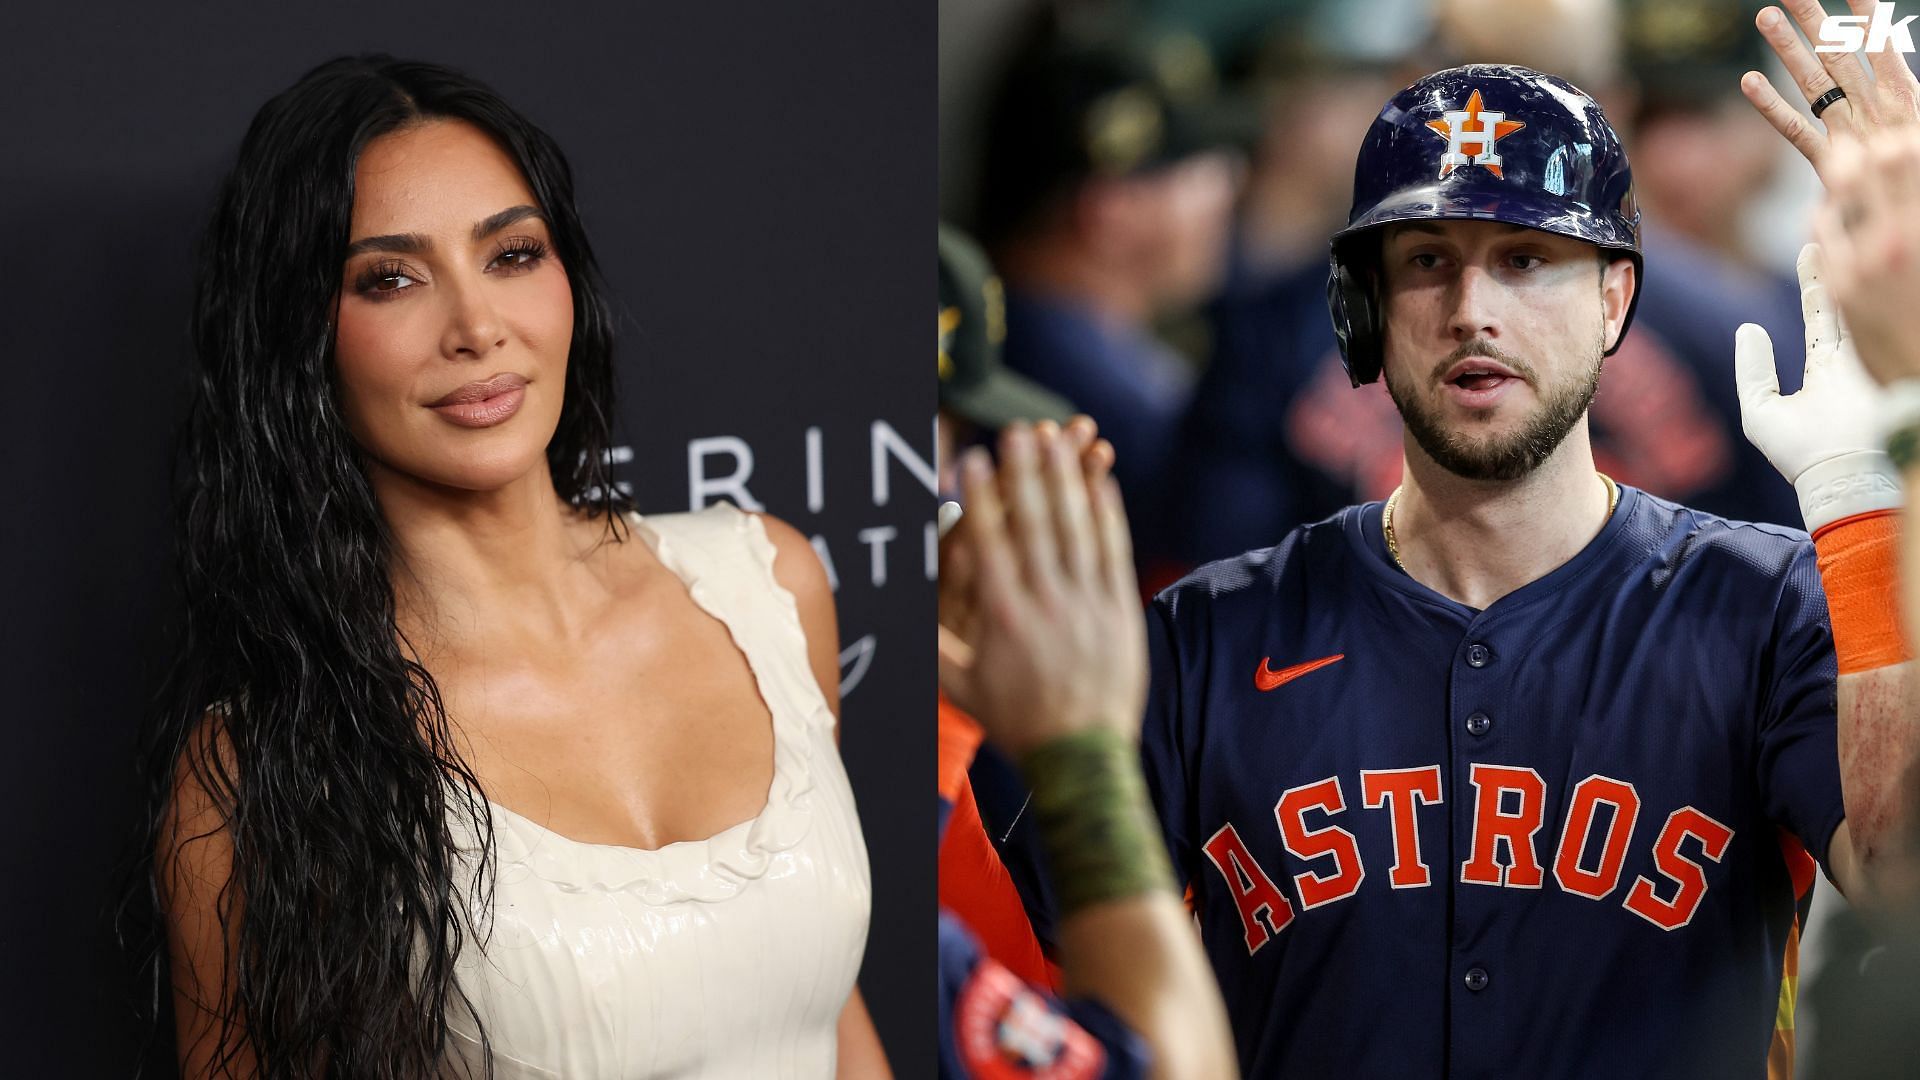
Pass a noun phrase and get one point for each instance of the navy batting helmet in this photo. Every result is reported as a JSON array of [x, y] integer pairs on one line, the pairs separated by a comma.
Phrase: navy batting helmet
[[1484, 142]]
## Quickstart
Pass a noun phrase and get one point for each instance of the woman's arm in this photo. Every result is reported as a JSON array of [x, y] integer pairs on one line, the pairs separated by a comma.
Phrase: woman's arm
[[193, 867], [797, 568], [861, 1055]]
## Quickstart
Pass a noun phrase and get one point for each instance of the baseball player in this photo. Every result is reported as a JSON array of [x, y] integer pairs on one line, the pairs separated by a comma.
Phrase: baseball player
[[1524, 772], [979, 396]]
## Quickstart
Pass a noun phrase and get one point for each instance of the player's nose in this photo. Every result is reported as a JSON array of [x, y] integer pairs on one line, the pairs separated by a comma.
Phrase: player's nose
[[1471, 305]]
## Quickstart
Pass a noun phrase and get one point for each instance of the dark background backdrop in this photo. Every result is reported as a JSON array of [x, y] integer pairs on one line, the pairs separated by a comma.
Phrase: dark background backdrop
[[756, 180]]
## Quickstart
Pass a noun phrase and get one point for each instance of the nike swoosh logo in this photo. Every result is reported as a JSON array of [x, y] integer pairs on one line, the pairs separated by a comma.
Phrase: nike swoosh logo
[[1266, 678]]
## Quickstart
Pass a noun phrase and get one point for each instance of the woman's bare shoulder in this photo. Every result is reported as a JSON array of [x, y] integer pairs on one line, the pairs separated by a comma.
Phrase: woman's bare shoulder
[[798, 569], [796, 566]]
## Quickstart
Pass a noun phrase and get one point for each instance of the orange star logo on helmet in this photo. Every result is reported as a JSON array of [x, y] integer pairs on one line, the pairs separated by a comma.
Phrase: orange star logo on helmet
[[1473, 128]]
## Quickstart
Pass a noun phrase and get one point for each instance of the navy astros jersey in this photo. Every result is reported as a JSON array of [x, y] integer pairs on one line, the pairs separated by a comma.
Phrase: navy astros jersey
[[1556, 838]]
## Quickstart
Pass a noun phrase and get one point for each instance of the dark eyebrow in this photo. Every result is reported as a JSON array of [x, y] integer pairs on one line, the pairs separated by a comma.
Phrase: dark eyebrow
[[505, 218], [403, 243], [415, 244]]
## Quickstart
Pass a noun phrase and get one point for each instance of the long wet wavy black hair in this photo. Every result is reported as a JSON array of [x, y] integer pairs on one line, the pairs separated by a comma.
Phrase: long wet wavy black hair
[[297, 706]]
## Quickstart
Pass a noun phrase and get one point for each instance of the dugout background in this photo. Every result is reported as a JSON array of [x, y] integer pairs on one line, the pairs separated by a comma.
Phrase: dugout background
[[756, 182]]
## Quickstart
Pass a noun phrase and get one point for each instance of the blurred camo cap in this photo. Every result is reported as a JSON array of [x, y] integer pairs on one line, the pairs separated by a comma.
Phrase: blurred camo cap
[[1689, 54], [974, 385], [1073, 108]]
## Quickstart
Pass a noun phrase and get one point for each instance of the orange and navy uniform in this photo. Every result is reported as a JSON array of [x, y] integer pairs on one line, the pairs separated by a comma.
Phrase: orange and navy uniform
[[974, 884], [996, 1024]]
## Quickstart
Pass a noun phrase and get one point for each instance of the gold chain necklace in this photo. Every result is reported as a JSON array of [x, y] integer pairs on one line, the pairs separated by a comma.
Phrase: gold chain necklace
[[1393, 542]]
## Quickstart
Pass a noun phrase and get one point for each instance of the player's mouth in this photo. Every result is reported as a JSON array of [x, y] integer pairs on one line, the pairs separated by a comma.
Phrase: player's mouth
[[1479, 383]]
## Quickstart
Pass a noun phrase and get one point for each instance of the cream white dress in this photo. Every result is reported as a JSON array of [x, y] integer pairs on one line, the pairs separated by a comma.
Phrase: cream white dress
[[723, 958]]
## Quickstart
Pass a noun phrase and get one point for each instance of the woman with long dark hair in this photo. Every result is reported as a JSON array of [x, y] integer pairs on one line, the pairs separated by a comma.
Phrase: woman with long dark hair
[[458, 777]]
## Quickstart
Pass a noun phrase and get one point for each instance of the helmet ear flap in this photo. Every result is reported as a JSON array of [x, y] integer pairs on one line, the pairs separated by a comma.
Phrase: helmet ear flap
[[1353, 302], [1633, 301]]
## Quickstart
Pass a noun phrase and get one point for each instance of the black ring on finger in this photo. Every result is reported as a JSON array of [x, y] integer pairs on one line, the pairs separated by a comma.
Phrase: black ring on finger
[[1821, 103]]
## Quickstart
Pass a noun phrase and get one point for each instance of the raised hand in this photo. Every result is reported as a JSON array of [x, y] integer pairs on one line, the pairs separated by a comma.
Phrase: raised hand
[[1888, 99], [1823, 439], [1869, 227], [1041, 629]]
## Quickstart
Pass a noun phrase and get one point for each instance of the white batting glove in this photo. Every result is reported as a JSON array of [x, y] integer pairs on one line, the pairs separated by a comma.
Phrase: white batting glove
[[1825, 439]]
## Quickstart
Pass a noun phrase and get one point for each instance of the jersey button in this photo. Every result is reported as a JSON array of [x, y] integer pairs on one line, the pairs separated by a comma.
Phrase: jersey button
[[1479, 655], [1479, 724], [1476, 979]]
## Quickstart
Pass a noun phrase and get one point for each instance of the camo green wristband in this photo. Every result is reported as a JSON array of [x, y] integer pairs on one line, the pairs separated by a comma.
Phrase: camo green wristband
[[1903, 446], [1096, 826]]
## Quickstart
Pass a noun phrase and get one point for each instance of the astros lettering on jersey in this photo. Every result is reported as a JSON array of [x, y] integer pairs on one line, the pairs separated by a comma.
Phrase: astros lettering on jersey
[[1556, 837]]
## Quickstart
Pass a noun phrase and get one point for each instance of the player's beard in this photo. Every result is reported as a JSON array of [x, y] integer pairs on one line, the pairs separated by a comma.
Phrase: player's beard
[[1507, 457]]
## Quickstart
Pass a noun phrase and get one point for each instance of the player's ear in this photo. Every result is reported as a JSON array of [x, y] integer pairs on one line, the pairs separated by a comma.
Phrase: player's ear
[[1617, 283]]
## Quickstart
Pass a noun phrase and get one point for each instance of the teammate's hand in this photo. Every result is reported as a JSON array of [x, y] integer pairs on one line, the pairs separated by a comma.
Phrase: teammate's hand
[[1869, 228], [1890, 100], [1825, 438], [1047, 637], [958, 604]]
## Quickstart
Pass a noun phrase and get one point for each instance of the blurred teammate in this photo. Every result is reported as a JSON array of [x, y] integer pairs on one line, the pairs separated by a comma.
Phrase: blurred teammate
[[1869, 231], [1517, 773], [1105, 202], [1870, 228], [1871, 122], [982, 886], [1041, 640], [1701, 156]]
